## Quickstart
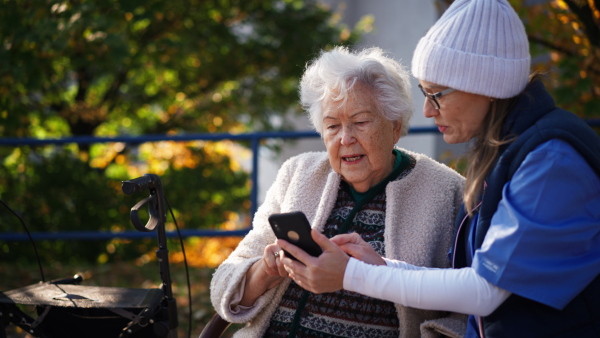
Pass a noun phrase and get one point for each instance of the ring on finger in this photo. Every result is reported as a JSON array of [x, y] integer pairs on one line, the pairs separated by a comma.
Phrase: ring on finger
[[276, 254]]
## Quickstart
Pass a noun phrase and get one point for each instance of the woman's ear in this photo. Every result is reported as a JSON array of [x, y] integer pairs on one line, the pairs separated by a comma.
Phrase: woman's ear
[[397, 131]]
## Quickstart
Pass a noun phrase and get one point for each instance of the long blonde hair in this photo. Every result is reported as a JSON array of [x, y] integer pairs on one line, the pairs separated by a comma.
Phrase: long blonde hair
[[486, 147]]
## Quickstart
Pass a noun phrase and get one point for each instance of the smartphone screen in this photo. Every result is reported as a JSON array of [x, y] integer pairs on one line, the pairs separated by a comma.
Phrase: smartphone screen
[[295, 228]]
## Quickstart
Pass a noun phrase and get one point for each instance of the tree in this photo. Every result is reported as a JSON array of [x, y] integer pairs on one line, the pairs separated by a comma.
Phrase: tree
[[108, 67], [565, 44]]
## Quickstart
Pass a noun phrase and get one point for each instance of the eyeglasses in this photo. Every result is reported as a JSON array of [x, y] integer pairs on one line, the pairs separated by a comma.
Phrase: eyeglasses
[[433, 98]]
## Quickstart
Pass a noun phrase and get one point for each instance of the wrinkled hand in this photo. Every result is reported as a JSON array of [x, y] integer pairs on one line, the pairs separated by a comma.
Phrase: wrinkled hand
[[353, 245], [264, 274], [316, 274], [272, 265]]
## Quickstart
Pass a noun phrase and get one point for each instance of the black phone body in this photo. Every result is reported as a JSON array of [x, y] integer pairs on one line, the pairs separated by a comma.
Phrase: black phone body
[[295, 228]]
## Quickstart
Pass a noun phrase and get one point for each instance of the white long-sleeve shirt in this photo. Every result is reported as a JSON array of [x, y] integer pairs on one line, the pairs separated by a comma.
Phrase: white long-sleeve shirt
[[457, 290]]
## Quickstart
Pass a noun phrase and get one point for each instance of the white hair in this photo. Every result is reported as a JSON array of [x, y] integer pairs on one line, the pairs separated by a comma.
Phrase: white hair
[[334, 73]]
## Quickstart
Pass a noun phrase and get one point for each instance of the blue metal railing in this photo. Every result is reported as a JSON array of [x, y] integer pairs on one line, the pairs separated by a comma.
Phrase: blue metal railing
[[254, 138]]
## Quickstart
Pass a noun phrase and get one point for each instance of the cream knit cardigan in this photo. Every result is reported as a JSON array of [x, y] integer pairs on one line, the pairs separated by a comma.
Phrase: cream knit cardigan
[[419, 218]]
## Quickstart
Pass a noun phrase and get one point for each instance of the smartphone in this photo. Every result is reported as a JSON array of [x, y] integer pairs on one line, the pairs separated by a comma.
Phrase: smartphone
[[295, 228]]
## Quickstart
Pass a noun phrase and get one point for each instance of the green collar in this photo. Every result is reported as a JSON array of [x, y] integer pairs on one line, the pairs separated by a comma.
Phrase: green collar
[[401, 162]]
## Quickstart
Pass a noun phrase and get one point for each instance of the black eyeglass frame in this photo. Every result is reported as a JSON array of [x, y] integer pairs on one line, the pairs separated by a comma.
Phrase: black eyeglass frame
[[433, 98]]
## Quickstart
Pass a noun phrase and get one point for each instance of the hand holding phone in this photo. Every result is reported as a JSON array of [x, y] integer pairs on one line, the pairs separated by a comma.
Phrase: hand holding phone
[[295, 228]]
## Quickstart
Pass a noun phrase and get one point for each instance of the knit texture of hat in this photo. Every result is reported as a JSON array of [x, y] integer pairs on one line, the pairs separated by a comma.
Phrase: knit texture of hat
[[477, 46]]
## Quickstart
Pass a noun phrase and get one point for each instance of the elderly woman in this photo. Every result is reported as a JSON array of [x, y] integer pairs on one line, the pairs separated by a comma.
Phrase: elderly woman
[[402, 203], [527, 248]]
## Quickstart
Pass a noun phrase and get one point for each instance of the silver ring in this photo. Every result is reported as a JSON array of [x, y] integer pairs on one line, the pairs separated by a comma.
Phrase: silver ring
[[276, 254]]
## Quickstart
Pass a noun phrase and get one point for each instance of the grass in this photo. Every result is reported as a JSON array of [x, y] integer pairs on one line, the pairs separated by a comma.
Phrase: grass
[[127, 275]]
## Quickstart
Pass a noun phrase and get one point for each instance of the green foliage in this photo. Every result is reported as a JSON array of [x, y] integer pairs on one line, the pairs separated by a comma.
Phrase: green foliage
[[57, 193], [105, 68], [162, 65], [564, 39]]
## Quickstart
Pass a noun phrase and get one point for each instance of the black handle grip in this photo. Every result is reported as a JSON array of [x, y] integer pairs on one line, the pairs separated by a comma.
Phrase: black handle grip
[[75, 280], [154, 219], [138, 184]]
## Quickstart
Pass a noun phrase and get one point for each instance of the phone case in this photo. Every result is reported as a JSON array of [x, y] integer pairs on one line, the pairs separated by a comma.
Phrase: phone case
[[295, 228]]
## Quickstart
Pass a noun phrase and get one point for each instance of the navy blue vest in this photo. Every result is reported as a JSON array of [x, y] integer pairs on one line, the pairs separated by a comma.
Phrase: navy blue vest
[[535, 119]]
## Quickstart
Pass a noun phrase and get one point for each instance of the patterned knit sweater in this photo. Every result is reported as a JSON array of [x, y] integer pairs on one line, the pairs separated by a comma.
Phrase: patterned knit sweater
[[419, 217], [344, 313]]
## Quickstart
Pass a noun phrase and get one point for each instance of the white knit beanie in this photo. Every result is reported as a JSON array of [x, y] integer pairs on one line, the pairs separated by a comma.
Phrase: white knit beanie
[[477, 46]]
